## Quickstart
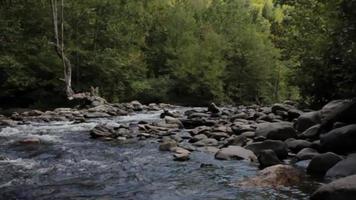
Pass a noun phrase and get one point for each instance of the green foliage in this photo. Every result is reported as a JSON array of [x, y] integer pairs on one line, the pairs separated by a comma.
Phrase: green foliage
[[181, 51]]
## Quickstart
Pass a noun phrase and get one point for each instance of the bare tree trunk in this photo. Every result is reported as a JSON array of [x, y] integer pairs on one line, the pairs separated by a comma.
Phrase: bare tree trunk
[[59, 47]]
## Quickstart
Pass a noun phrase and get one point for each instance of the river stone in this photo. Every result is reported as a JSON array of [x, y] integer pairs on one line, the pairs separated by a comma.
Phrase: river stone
[[320, 164], [213, 108], [279, 147], [311, 133], [307, 120], [101, 131], [217, 135], [268, 158], [172, 120], [96, 115], [343, 168], [180, 154], [341, 189], [236, 140], [206, 142], [235, 153], [274, 176], [167, 145], [297, 145], [279, 107], [196, 138], [307, 154], [340, 140], [276, 130], [30, 141]]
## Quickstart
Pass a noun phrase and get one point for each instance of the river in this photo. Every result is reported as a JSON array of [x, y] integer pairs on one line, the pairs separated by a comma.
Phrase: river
[[69, 165]]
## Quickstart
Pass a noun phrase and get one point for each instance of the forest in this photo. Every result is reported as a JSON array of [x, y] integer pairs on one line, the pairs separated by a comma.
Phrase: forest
[[189, 52]]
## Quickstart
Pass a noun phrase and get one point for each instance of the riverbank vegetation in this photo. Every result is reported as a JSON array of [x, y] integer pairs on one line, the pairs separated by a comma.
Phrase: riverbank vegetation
[[180, 51]]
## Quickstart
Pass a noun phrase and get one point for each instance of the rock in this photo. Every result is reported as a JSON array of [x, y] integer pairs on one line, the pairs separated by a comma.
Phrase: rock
[[206, 142], [181, 157], [193, 123], [238, 130], [311, 133], [167, 145], [297, 145], [307, 120], [171, 120], [101, 131], [137, 106], [307, 154], [209, 149], [248, 134], [293, 114], [96, 115], [268, 158], [279, 147], [30, 141], [341, 189], [320, 164], [278, 107], [275, 176], [187, 146], [180, 154], [343, 168], [213, 108], [340, 140], [218, 135], [237, 140], [196, 138], [235, 153], [276, 131]]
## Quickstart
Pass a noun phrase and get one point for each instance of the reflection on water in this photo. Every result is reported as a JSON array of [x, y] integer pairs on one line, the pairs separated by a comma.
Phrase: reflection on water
[[67, 164]]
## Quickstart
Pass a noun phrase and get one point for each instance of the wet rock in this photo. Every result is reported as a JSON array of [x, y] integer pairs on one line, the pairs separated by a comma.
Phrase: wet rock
[[297, 145], [276, 131], [30, 141], [279, 147], [169, 114], [167, 145], [102, 131], [193, 123], [320, 164], [279, 107], [213, 108], [171, 120], [275, 176], [180, 154], [8, 122], [187, 146], [268, 158], [343, 168], [307, 154], [206, 142], [340, 140], [137, 106], [311, 133], [198, 137], [293, 114], [238, 130], [249, 134], [341, 189], [96, 115], [217, 135], [307, 120], [209, 149], [237, 140], [235, 153]]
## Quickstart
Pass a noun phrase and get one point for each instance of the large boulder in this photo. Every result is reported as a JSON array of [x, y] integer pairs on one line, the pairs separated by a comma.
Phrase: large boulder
[[307, 120], [340, 140], [341, 189], [343, 168], [337, 111], [268, 158], [235, 153], [311, 133], [307, 154], [320, 164], [276, 130], [213, 108], [274, 176], [297, 145], [279, 147]]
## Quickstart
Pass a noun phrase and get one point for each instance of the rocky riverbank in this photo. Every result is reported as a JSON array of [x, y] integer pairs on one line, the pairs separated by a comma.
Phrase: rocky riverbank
[[276, 138]]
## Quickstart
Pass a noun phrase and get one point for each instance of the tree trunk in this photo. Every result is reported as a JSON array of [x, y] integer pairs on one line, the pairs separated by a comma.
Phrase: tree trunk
[[59, 47]]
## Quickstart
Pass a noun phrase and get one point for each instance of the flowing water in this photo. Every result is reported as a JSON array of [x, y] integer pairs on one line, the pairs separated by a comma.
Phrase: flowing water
[[68, 164]]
